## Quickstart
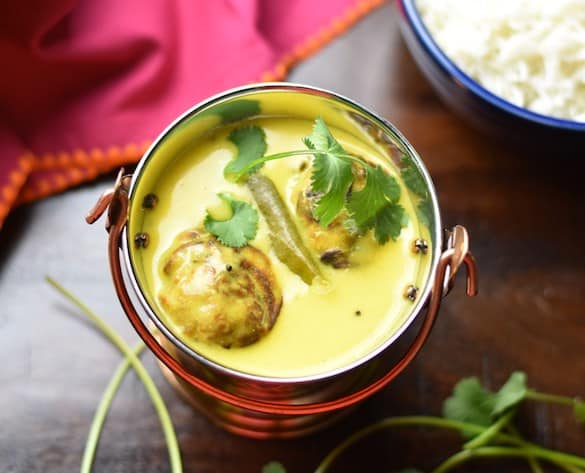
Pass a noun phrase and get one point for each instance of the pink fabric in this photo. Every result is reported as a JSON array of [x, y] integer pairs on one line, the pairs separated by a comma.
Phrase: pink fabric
[[87, 76]]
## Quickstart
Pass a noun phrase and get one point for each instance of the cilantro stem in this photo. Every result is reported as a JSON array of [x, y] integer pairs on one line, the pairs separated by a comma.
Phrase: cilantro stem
[[406, 421], [569, 468], [550, 398], [102, 411], [534, 464], [489, 452], [488, 434], [552, 456], [151, 389], [522, 448], [287, 154]]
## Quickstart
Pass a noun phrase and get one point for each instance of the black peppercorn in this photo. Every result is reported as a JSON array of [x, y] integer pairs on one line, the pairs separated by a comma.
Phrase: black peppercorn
[[149, 201], [141, 240]]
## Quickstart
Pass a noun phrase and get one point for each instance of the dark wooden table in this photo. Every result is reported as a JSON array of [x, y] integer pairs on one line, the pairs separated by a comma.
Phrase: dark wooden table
[[526, 216]]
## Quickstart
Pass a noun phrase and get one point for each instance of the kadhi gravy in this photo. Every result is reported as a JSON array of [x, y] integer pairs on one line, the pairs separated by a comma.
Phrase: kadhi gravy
[[321, 327]]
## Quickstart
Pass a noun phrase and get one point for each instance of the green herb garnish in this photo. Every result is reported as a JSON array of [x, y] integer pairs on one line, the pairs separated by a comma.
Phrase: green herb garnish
[[412, 177], [415, 182], [331, 175], [510, 394], [251, 144], [373, 207], [236, 110], [487, 417], [470, 402], [579, 410], [237, 230], [131, 360], [273, 467]]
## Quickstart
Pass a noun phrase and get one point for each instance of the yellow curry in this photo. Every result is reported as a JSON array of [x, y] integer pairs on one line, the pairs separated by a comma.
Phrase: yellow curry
[[349, 310]]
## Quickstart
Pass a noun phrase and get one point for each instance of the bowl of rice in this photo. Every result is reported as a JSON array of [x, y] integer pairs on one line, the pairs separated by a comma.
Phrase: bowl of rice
[[513, 68]]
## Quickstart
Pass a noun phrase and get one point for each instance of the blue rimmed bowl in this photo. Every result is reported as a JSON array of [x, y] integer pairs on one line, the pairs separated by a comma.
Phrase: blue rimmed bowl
[[479, 106]]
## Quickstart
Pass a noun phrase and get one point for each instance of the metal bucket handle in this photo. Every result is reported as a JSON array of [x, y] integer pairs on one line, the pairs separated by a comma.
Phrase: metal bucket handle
[[453, 257]]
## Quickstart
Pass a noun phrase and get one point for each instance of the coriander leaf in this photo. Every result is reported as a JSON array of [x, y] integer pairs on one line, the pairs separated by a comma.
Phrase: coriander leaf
[[251, 144], [233, 111], [333, 200], [379, 190], [510, 394], [273, 467], [579, 410], [412, 177], [388, 222], [415, 182], [237, 230], [470, 402], [331, 175], [322, 140], [424, 211]]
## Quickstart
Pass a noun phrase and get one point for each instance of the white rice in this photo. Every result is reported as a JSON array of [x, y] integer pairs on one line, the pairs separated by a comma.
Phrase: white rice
[[530, 52]]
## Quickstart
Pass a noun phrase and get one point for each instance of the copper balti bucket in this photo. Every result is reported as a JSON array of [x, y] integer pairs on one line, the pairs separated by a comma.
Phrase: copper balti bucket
[[259, 406]]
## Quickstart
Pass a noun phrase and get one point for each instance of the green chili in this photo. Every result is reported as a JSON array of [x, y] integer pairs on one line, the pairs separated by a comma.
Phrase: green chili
[[286, 240]]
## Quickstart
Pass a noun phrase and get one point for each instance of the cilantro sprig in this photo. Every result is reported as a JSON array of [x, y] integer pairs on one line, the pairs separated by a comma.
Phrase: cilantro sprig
[[376, 206], [487, 418], [237, 230], [131, 360], [332, 175]]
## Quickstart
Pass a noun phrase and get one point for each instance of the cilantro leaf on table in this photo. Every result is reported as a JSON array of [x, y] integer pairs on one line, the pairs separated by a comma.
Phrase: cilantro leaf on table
[[237, 230], [510, 394], [331, 175], [251, 144], [273, 467], [470, 402]]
